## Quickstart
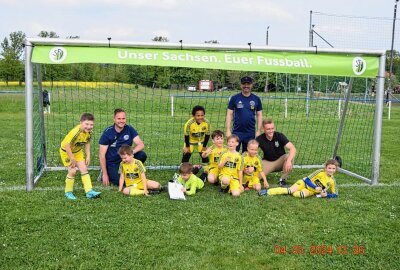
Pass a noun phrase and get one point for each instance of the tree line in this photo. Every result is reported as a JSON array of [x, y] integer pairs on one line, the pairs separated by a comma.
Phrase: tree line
[[12, 69]]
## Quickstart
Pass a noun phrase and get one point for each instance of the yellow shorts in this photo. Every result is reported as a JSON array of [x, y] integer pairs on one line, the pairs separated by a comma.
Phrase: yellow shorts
[[302, 186], [213, 170], [251, 180], [194, 147], [234, 183], [138, 185], [79, 156]]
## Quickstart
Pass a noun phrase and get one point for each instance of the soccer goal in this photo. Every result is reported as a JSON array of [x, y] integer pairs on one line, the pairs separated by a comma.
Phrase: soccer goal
[[297, 86]]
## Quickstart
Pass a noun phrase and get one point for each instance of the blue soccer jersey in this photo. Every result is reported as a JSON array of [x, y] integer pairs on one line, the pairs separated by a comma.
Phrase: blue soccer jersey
[[244, 113], [109, 138]]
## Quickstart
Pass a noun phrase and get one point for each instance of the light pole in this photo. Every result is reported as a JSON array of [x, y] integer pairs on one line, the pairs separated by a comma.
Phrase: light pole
[[267, 36], [109, 42], [391, 53], [391, 49]]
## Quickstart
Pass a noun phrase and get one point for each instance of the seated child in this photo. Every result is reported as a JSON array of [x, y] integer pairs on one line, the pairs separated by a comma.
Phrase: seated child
[[196, 135], [252, 168], [320, 183], [132, 173], [73, 149], [190, 182], [231, 166], [214, 153]]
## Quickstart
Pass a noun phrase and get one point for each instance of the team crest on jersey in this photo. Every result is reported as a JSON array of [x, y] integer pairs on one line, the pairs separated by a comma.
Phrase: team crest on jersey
[[252, 104], [239, 105], [319, 184], [276, 144], [256, 163], [203, 128], [126, 137]]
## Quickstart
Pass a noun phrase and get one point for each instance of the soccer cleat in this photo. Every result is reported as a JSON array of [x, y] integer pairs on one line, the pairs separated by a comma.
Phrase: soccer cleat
[[70, 196], [263, 192], [196, 169], [91, 194], [203, 177], [154, 191], [224, 190], [164, 188], [282, 183]]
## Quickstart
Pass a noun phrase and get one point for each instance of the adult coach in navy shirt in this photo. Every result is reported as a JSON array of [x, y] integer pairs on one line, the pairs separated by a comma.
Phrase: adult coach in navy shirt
[[245, 109], [111, 140]]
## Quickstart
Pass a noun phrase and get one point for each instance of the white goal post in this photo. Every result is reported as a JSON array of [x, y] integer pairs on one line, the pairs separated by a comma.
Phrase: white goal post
[[306, 61]]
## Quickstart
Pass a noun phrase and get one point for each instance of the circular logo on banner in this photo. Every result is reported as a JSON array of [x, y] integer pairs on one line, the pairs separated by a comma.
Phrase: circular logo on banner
[[359, 65], [57, 54]]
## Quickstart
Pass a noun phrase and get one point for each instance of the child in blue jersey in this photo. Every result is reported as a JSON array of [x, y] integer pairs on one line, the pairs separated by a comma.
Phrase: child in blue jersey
[[320, 183], [191, 183], [75, 154]]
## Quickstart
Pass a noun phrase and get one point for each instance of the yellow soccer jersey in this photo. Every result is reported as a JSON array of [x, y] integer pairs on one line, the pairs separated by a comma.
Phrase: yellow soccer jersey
[[232, 166], [321, 179], [132, 172], [195, 131], [76, 139], [215, 155], [255, 162]]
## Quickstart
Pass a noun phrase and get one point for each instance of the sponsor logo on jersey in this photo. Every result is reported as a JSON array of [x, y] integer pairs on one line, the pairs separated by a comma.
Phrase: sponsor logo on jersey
[[230, 165], [57, 54], [276, 144], [239, 105], [80, 144]]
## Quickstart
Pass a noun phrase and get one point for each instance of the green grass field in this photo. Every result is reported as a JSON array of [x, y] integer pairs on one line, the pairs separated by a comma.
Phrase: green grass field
[[42, 230]]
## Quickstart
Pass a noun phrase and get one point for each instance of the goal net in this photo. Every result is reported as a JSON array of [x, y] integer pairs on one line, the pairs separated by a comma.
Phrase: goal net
[[328, 102]]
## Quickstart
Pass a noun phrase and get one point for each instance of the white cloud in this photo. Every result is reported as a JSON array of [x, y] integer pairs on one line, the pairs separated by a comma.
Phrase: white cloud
[[116, 33], [266, 10], [156, 4]]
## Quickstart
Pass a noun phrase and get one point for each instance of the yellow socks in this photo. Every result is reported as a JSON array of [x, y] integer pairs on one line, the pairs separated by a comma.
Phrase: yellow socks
[[87, 183], [69, 184], [278, 191]]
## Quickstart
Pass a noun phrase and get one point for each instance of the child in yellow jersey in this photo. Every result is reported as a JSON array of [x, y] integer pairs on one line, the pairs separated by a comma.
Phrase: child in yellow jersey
[[320, 183], [190, 182], [252, 168], [196, 134], [214, 153], [132, 174], [73, 149], [231, 166]]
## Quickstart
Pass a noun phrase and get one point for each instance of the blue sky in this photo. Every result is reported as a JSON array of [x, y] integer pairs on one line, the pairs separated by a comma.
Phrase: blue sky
[[234, 22]]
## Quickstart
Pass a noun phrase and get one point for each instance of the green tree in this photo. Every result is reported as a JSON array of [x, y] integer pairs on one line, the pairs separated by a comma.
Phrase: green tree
[[11, 64], [47, 34], [160, 39], [212, 41]]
